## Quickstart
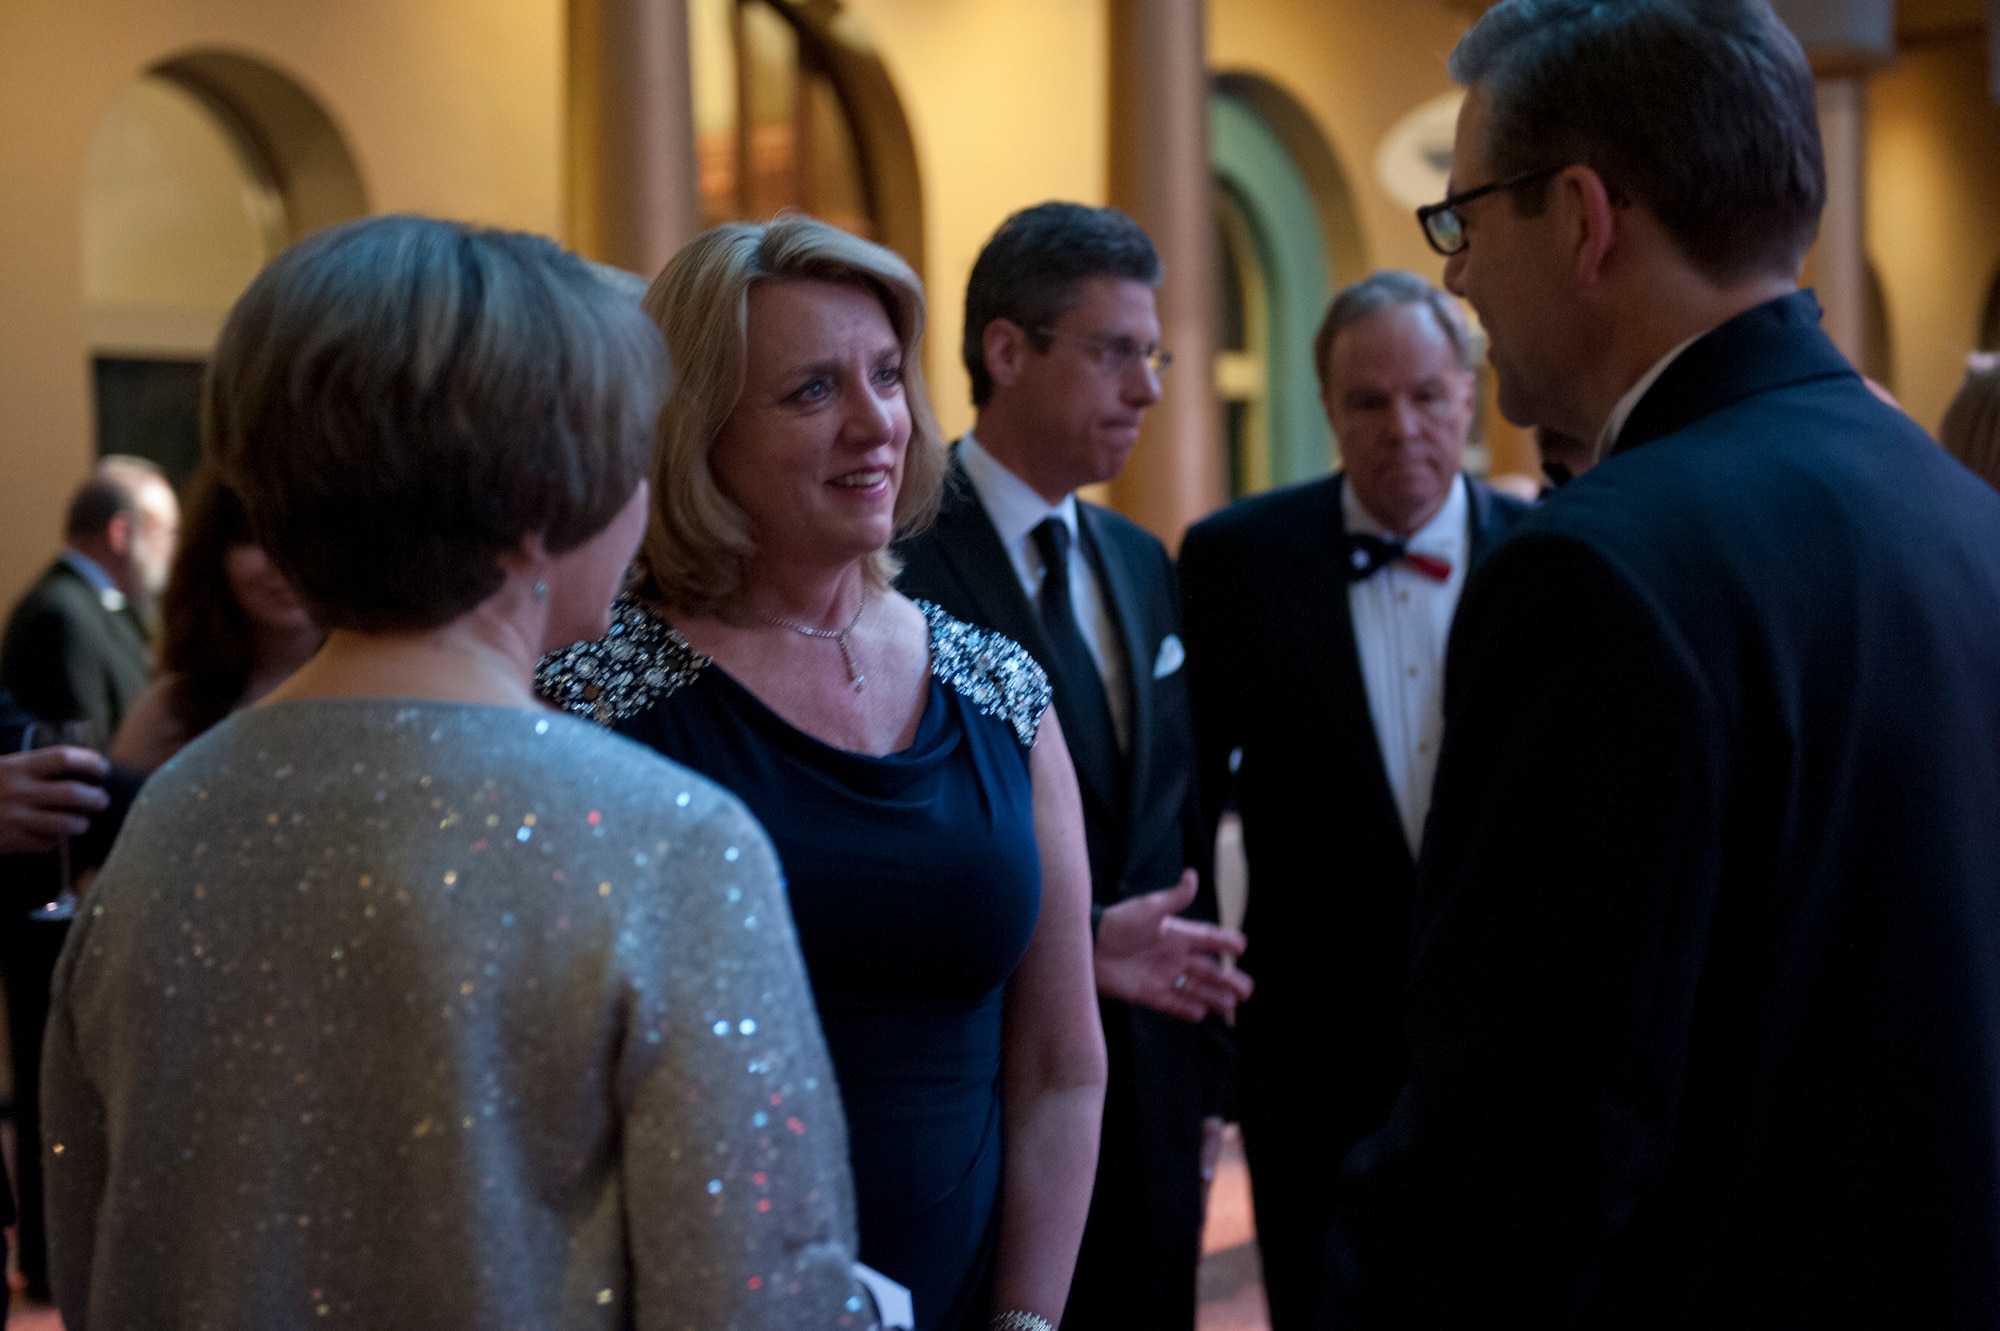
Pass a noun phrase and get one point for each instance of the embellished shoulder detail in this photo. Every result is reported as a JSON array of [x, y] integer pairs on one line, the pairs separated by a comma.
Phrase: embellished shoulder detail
[[991, 671], [642, 660]]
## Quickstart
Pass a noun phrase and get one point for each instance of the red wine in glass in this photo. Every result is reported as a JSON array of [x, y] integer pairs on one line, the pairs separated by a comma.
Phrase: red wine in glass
[[49, 735]]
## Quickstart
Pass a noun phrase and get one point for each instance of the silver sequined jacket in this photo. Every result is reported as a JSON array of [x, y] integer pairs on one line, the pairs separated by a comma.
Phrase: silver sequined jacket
[[420, 1015]]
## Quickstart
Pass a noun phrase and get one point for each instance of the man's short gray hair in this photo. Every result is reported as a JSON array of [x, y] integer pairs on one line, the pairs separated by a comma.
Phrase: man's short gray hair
[[1388, 289]]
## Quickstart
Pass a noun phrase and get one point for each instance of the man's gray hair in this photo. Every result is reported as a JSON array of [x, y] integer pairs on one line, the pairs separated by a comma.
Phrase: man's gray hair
[[1384, 290], [113, 489], [1700, 111]]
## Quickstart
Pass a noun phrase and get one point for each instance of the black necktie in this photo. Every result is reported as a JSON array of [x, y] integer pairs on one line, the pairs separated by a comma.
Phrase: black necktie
[[1080, 701]]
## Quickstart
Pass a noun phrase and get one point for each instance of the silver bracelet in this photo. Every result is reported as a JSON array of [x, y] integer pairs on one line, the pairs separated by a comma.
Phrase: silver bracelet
[[1020, 1321]]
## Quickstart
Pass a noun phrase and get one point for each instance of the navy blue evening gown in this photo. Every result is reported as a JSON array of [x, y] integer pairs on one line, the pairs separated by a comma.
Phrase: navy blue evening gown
[[915, 886]]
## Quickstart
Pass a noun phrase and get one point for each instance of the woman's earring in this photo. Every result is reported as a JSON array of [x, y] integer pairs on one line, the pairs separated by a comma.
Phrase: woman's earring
[[541, 590]]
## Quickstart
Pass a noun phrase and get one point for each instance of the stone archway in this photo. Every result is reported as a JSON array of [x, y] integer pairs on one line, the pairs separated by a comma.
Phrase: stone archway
[[1289, 235], [199, 172]]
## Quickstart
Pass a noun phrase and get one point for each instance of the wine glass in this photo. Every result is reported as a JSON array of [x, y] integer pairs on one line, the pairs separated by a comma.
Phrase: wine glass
[[49, 735]]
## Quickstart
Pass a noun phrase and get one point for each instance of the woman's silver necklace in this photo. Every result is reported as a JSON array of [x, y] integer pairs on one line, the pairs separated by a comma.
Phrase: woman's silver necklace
[[838, 635]]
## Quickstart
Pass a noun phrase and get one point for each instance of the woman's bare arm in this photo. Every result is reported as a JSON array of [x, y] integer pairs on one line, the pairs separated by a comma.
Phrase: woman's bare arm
[[1054, 1058]]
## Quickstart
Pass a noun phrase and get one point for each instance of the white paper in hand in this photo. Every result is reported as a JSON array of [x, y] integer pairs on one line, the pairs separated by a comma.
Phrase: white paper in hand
[[892, 1301]]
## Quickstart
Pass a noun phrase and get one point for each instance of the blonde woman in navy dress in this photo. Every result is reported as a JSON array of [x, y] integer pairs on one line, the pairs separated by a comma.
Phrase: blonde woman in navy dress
[[907, 765]]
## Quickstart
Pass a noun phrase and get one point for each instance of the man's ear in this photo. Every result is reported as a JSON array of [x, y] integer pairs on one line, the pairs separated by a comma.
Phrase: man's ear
[[1591, 217], [1006, 348], [118, 534]]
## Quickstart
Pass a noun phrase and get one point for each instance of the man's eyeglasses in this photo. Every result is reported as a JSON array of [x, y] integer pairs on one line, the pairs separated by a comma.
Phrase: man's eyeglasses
[[1116, 355], [1442, 225]]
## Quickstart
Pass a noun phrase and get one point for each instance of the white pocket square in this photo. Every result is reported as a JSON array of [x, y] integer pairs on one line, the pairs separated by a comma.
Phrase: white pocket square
[[1170, 657]]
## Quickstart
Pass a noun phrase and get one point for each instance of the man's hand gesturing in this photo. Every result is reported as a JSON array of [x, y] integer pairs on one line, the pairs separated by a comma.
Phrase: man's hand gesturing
[[1147, 954]]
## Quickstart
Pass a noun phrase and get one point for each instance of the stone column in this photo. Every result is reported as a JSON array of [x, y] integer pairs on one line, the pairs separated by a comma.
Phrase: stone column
[[1846, 40], [1160, 174], [633, 196]]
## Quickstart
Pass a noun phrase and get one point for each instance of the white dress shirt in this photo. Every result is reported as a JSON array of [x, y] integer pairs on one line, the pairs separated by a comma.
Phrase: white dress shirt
[[1015, 510], [1401, 621], [1614, 424]]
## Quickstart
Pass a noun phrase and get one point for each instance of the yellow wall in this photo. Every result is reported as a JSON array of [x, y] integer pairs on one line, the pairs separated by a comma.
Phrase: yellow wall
[[1934, 211], [449, 107], [454, 107], [1007, 100], [1358, 66]]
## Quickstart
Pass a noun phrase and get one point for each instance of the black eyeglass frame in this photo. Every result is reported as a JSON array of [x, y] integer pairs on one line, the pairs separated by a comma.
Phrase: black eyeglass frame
[[1452, 202]]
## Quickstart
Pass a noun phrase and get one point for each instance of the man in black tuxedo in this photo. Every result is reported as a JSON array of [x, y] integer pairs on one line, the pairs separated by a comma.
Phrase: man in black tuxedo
[[1704, 1002], [1061, 340], [1316, 622], [75, 646]]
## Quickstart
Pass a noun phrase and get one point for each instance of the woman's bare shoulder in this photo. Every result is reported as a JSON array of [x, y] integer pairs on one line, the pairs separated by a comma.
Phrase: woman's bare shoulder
[[988, 668]]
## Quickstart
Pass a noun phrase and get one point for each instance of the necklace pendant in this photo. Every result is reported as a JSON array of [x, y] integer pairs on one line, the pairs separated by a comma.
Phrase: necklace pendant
[[860, 683]]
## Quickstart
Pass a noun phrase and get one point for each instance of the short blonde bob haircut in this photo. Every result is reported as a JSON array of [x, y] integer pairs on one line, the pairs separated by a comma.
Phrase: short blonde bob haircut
[[698, 540]]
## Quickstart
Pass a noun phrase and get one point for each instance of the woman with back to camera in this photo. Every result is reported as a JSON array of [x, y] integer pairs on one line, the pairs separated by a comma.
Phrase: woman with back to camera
[[232, 631], [906, 764], [403, 1001]]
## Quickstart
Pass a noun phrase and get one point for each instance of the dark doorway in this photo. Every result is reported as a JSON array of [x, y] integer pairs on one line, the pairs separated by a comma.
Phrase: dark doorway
[[150, 409]]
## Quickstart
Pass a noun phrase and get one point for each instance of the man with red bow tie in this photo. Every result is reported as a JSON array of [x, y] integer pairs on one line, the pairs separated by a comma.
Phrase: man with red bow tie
[[1316, 619]]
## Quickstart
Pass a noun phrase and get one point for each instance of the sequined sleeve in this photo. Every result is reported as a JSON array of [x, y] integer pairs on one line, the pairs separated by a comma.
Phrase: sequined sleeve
[[639, 661], [735, 1150], [990, 670]]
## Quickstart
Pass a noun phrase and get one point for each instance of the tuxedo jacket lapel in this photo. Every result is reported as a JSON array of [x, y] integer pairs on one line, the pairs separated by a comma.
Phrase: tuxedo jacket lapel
[[1121, 586], [972, 549]]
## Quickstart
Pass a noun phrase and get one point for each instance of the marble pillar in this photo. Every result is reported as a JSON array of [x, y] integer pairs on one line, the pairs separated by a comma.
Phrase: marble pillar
[[633, 196], [1160, 174]]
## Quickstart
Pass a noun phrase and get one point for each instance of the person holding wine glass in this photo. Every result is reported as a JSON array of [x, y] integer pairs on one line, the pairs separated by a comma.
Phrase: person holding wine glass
[[48, 795]]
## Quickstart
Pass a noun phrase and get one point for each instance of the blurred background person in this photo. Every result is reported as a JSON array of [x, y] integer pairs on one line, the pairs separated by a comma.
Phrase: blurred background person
[[75, 650], [496, 1060], [231, 631], [1971, 430], [1062, 342], [1317, 618], [906, 763], [46, 794], [75, 647]]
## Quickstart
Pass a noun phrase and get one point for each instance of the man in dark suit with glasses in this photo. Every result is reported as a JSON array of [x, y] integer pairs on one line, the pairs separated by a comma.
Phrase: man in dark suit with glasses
[[1062, 343], [1704, 994]]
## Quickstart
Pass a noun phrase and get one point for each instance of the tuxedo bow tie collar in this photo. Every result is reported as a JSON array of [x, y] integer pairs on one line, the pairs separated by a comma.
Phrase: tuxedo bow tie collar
[[1368, 553]]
